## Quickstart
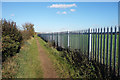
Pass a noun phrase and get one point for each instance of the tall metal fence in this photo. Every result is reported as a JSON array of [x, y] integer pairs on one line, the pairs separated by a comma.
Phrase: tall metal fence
[[101, 45]]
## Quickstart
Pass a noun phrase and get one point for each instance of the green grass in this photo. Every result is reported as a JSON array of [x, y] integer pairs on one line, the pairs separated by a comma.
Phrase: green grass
[[25, 64], [76, 42], [113, 40], [60, 65], [64, 68]]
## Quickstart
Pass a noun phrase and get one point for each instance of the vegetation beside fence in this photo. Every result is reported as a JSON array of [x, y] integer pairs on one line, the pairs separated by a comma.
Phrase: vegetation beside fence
[[72, 64], [100, 45]]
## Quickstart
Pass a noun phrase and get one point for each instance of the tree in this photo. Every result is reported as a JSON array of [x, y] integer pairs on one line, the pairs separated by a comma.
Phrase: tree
[[11, 39], [28, 30]]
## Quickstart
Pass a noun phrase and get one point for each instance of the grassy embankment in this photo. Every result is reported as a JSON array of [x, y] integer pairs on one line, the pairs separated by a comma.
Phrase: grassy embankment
[[68, 65], [25, 64]]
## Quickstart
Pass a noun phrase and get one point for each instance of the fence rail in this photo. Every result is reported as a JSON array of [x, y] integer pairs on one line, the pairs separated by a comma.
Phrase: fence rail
[[101, 45]]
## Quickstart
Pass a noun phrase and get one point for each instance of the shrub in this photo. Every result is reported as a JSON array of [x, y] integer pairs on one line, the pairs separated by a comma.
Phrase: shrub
[[11, 39]]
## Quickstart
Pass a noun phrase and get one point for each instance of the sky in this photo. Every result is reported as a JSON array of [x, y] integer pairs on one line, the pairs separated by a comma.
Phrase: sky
[[61, 16], [60, 0]]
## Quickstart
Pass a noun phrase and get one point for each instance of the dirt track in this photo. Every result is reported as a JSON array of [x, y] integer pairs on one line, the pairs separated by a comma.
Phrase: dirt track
[[46, 64]]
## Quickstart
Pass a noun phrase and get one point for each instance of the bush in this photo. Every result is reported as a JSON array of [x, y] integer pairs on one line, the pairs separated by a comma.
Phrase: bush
[[11, 39]]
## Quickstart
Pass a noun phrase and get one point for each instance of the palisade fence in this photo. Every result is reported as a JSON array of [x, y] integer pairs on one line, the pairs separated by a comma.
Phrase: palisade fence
[[101, 45]]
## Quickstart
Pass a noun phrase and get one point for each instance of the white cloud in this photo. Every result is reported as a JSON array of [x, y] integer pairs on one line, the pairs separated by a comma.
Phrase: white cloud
[[72, 10], [62, 5], [12, 15], [64, 12]]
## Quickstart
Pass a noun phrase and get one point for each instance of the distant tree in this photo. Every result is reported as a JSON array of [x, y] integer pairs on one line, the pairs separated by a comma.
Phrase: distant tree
[[28, 30]]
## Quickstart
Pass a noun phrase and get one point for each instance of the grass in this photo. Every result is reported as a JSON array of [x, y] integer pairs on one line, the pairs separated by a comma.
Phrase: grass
[[25, 64], [81, 42], [58, 62], [64, 63], [77, 43]]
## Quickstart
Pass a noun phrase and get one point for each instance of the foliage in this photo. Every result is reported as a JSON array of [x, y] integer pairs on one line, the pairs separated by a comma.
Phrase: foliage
[[21, 65], [11, 39], [28, 31], [71, 64]]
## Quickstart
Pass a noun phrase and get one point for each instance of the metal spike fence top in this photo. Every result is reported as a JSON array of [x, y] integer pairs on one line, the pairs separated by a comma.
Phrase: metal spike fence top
[[101, 45]]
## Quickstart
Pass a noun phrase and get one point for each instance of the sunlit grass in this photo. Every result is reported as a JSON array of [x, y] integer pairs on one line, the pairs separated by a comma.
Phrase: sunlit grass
[[25, 64]]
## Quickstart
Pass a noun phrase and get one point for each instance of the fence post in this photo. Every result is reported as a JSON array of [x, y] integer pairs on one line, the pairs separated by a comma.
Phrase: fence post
[[104, 48], [119, 54], [115, 50], [101, 47], [89, 43], [79, 40], [61, 39], [98, 44], [82, 41], [52, 36], [57, 39], [107, 47], [111, 51], [93, 42], [68, 39]]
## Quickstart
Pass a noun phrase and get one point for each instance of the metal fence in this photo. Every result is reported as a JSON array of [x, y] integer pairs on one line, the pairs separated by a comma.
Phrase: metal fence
[[101, 45]]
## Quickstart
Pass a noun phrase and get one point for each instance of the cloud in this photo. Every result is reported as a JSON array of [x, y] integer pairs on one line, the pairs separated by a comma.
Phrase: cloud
[[62, 5], [12, 15], [72, 10], [64, 12]]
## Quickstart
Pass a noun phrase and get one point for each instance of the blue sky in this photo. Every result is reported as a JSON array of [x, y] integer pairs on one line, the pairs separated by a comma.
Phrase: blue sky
[[60, 0], [60, 16]]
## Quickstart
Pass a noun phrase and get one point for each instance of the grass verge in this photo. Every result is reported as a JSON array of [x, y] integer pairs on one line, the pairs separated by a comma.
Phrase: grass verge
[[66, 65], [25, 64]]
